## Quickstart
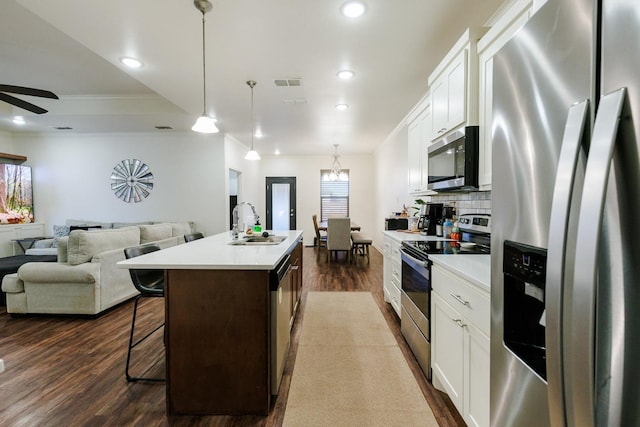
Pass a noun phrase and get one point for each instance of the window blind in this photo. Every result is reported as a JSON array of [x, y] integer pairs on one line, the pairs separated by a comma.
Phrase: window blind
[[334, 195]]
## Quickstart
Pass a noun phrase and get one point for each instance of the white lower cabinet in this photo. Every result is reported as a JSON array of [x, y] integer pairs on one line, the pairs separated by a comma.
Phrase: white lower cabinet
[[392, 265], [10, 232], [460, 344], [447, 349]]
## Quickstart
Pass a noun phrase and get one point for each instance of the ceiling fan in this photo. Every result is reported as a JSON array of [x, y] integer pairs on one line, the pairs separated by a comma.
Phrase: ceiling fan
[[21, 90]]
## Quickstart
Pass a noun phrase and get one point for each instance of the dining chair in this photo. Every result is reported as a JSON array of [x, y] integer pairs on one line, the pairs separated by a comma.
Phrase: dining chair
[[150, 284], [321, 239], [338, 236]]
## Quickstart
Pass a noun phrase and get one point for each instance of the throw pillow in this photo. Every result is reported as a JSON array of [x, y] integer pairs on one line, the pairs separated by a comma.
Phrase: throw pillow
[[84, 227], [59, 231]]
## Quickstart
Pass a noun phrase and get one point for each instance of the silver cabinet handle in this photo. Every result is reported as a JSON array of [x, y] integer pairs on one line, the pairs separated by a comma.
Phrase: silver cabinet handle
[[558, 233], [295, 267], [460, 322], [460, 300], [596, 180]]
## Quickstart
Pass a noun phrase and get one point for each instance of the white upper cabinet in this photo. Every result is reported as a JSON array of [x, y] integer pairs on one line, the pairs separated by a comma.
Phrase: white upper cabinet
[[454, 86], [419, 122], [500, 33]]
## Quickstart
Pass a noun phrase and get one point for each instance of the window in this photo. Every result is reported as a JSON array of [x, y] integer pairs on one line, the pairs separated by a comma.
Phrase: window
[[334, 194]]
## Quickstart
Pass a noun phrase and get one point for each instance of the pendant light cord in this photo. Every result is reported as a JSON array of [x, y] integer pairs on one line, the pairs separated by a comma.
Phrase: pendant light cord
[[252, 123], [204, 71]]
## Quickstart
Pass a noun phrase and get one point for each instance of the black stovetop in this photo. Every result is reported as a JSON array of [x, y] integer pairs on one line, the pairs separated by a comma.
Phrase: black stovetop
[[421, 249]]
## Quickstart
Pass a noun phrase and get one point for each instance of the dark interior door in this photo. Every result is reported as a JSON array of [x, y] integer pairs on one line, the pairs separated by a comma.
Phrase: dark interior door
[[281, 203]]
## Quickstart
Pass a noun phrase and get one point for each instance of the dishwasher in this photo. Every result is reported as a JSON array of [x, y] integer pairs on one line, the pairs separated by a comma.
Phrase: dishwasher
[[281, 311]]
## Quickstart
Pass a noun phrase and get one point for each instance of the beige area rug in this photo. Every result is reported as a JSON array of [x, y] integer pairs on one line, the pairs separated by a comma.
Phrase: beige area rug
[[349, 370]]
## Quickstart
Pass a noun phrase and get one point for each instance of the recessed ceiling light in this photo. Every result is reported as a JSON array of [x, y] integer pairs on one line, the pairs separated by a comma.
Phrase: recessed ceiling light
[[277, 152], [341, 107], [353, 9], [131, 62], [18, 120], [346, 74]]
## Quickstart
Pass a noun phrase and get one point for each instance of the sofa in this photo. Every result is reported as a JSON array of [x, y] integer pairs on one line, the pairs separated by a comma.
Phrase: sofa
[[86, 279], [49, 246]]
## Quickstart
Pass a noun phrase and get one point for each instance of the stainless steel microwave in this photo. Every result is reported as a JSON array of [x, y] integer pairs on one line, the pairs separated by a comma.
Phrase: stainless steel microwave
[[453, 161]]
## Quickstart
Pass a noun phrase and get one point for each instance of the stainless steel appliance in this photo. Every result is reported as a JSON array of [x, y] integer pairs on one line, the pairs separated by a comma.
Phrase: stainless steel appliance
[[565, 347], [430, 213], [453, 161], [416, 280], [281, 310]]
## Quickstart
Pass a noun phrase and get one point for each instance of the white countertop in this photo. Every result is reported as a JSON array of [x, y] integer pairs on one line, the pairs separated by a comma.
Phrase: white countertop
[[404, 235], [475, 268], [214, 253]]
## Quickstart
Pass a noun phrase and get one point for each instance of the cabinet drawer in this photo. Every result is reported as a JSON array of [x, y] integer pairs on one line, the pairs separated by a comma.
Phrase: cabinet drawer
[[392, 294], [461, 295]]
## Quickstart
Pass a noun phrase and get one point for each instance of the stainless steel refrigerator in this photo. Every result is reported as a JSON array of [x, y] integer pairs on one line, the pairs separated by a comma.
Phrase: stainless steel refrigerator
[[565, 291]]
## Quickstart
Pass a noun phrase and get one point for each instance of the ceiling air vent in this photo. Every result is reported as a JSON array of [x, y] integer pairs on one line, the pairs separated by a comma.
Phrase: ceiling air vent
[[164, 127], [63, 128], [288, 82], [295, 101]]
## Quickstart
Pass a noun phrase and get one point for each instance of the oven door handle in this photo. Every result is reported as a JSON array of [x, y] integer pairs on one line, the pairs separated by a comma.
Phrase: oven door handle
[[425, 264]]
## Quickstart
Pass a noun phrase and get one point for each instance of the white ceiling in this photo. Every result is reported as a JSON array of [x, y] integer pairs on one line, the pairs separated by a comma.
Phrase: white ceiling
[[72, 47]]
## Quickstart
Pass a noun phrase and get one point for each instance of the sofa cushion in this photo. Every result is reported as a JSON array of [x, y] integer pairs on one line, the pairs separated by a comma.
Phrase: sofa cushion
[[179, 229], [151, 233], [53, 272], [84, 245], [129, 224]]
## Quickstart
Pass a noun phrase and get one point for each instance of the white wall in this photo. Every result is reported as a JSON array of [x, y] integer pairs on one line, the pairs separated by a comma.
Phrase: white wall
[[391, 164], [248, 185], [306, 169], [71, 177], [6, 143]]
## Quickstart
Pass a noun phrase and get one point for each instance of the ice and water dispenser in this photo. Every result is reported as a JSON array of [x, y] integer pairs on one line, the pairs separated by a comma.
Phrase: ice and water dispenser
[[524, 270]]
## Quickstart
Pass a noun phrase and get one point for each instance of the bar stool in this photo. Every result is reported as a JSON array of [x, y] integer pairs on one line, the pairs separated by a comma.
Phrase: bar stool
[[360, 245], [150, 284]]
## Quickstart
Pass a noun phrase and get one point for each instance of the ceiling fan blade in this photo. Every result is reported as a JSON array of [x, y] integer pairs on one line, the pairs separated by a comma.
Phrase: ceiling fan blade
[[21, 90], [21, 104]]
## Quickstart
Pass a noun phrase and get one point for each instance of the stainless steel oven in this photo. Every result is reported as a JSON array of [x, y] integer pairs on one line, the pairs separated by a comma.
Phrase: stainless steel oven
[[415, 302], [415, 298]]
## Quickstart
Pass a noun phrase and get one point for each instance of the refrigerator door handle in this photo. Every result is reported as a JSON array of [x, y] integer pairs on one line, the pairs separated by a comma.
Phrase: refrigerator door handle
[[558, 227], [605, 129]]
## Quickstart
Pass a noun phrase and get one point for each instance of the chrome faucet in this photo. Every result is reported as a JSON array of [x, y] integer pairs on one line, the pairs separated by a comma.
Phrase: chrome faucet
[[256, 217]]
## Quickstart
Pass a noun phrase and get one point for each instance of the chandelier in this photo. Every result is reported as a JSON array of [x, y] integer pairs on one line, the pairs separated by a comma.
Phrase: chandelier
[[336, 174]]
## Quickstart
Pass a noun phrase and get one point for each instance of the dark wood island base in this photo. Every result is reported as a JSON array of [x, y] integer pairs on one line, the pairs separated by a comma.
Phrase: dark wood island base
[[217, 342], [218, 338]]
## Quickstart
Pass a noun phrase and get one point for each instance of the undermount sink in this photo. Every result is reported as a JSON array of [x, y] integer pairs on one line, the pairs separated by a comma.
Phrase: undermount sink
[[259, 240]]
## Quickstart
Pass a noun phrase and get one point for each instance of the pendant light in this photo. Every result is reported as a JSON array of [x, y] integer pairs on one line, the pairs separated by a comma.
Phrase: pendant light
[[252, 154], [204, 124]]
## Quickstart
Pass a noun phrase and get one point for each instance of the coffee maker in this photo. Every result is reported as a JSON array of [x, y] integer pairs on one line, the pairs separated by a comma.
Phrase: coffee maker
[[430, 213]]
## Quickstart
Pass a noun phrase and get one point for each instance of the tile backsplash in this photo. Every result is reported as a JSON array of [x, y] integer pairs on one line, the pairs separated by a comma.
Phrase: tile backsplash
[[465, 203]]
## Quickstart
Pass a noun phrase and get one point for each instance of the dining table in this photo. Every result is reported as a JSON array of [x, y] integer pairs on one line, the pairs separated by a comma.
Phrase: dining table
[[322, 226]]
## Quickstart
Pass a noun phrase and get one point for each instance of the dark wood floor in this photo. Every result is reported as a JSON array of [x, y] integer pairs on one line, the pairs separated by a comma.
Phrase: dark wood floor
[[69, 371]]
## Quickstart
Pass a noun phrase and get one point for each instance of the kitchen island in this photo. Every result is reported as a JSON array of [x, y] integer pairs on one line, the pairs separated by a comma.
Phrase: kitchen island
[[221, 324]]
